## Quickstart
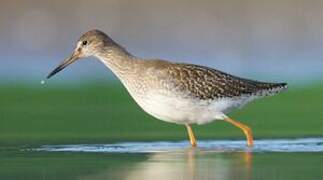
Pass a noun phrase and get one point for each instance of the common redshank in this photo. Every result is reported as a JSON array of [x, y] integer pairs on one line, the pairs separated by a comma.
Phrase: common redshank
[[174, 92]]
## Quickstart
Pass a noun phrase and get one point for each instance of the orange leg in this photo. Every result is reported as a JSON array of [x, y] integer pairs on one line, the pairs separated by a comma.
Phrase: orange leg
[[191, 135], [246, 130]]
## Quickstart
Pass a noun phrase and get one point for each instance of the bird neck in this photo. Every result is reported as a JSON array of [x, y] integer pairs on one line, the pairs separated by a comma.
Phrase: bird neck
[[117, 59]]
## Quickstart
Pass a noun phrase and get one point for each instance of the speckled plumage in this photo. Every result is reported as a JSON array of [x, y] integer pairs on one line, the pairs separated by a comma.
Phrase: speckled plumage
[[177, 92], [174, 92], [207, 83]]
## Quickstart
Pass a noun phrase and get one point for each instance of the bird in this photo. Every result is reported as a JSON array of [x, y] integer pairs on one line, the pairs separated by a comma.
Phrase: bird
[[180, 93]]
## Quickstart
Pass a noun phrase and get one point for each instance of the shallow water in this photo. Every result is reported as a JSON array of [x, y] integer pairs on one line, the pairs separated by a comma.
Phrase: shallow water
[[267, 145], [269, 159]]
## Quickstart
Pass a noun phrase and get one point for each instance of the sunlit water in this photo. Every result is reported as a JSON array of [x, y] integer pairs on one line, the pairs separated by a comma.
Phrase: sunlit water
[[268, 145]]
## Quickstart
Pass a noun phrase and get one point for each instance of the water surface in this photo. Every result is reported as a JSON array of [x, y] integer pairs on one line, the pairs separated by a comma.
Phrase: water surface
[[270, 159], [266, 145]]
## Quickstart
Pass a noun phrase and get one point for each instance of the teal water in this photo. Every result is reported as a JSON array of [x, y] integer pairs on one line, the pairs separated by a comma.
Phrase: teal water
[[160, 166], [96, 162]]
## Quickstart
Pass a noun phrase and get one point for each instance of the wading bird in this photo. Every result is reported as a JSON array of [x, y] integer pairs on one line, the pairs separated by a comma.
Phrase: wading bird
[[174, 92]]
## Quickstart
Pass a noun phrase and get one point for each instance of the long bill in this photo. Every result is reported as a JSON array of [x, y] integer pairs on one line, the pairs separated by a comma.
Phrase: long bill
[[64, 64]]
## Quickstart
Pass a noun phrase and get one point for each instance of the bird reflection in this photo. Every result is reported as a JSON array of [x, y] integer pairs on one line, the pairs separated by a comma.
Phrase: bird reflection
[[189, 164], [194, 164]]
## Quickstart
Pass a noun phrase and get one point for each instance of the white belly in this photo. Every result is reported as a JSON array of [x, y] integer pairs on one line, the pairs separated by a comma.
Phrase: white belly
[[185, 110]]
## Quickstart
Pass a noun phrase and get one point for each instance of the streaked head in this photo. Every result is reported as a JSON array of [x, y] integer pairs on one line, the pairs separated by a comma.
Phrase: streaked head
[[89, 44]]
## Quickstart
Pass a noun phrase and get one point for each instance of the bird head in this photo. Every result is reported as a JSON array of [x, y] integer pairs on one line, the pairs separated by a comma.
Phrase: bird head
[[89, 44]]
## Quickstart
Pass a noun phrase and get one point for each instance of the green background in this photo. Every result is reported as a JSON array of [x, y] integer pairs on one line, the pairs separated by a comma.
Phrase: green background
[[104, 112]]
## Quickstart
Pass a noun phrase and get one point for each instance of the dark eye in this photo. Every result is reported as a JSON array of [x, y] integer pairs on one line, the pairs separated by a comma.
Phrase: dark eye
[[84, 43]]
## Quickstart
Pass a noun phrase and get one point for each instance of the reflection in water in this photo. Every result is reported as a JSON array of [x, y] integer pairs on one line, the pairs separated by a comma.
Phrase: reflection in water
[[170, 160], [185, 164], [191, 164]]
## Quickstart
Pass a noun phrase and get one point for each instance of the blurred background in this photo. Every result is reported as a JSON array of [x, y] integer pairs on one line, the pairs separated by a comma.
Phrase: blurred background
[[278, 40], [271, 40]]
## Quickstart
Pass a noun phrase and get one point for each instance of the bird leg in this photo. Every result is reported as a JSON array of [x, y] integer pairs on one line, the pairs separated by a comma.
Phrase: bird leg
[[191, 135], [246, 130]]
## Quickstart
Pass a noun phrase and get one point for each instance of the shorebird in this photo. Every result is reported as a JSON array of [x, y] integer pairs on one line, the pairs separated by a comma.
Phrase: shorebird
[[174, 92]]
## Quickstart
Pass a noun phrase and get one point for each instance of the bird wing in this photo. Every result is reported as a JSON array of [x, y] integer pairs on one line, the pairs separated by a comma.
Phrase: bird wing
[[207, 83]]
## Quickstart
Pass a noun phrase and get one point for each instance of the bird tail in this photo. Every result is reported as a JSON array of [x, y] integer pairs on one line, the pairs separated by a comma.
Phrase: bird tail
[[269, 89]]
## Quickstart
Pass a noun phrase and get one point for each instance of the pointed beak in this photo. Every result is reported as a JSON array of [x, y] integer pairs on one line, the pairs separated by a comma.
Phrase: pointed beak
[[64, 64]]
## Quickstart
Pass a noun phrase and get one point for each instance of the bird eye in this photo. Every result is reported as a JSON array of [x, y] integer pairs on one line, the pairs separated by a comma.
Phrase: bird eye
[[84, 43]]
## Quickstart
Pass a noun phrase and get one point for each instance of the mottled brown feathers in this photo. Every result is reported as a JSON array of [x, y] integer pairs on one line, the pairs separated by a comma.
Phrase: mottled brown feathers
[[206, 83], [176, 78]]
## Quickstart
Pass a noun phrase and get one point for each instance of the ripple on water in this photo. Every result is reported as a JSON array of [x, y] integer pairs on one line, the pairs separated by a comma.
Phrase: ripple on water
[[265, 145]]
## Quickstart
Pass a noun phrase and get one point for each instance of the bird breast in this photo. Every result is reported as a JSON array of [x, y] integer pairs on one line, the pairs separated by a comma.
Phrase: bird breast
[[180, 110]]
